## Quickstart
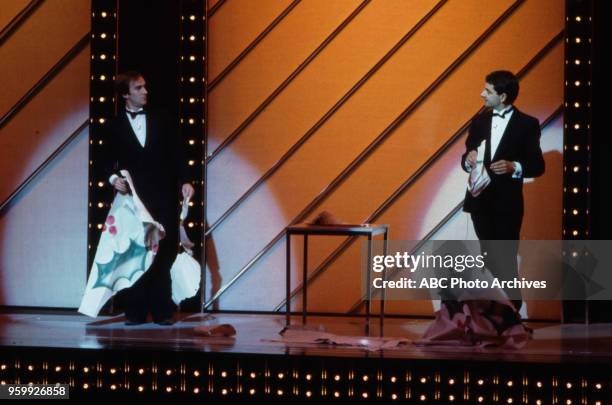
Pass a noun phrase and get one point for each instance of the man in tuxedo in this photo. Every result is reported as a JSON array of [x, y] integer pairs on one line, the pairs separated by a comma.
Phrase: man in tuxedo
[[147, 146], [512, 152]]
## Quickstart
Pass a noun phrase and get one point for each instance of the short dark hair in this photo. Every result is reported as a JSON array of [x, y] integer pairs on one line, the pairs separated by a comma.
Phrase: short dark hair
[[504, 81], [123, 80]]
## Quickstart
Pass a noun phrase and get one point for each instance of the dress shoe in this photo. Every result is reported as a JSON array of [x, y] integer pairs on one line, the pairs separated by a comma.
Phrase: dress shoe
[[165, 322], [133, 322]]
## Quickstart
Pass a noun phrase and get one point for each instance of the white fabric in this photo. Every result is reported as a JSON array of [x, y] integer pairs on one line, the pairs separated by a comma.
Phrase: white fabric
[[127, 247], [185, 271], [498, 126], [479, 177]]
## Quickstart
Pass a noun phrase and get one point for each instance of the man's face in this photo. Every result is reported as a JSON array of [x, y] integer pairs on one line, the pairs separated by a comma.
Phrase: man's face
[[491, 98], [137, 97]]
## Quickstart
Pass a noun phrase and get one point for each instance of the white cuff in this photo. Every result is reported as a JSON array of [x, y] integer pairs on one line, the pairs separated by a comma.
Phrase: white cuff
[[518, 170], [112, 178], [466, 166]]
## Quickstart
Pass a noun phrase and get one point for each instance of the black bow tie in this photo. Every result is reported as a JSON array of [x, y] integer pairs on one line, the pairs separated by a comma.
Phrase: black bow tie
[[503, 115], [134, 114]]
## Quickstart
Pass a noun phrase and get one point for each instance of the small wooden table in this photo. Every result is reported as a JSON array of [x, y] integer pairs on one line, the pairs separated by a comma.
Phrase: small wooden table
[[369, 230]]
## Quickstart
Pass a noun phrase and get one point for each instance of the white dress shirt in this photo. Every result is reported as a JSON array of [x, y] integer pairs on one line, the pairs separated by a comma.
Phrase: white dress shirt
[[139, 126]]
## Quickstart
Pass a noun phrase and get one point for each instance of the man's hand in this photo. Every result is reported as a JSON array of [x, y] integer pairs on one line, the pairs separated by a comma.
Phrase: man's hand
[[471, 158], [187, 190], [121, 185], [502, 167]]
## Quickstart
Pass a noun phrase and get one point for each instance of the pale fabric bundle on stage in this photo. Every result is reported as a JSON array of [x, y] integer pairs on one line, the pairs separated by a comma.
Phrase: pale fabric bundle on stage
[[185, 271], [479, 177], [129, 241]]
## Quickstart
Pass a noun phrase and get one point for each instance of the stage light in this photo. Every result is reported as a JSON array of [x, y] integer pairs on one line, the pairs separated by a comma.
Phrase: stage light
[[30, 367], [102, 77], [510, 400], [576, 148], [568, 402], [102, 99], [141, 371], [279, 393], [575, 233], [365, 378], [113, 387], [308, 394], [577, 62], [223, 373], [451, 381], [192, 37], [451, 398], [364, 395], [252, 391], [85, 386], [168, 372], [103, 57], [101, 120], [192, 79], [575, 211], [423, 398], [578, 40], [423, 380], [196, 390], [598, 386], [192, 58], [196, 373], [191, 162], [191, 121], [168, 389], [480, 382], [578, 18], [336, 394], [308, 377], [577, 83], [100, 142], [140, 388], [192, 17], [393, 379], [281, 376], [575, 190], [576, 168], [58, 369], [337, 377], [191, 142], [577, 104], [576, 126], [103, 35], [103, 14]]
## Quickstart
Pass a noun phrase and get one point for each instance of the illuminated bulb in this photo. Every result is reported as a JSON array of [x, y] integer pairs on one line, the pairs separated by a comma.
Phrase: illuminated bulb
[[575, 190], [252, 391], [578, 18], [308, 394], [192, 17], [308, 377], [102, 99], [577, 62], [103, 57], [30, 367], [279, 392], [140, 371], [223, 373], [168, 389], [113, 371], [393, 379], [366, 378], [577, 83], [451, 381], [577, 40], [113, 387], [191, 162], [575, 212], [192, 58], [576, 126], [480, 399], [140, 388], [575, 233], [576, 104], [191, 142], [103, 35], [451, 397], [510, 400], [365, 395], [85, 386], [86, 369], [576, 168], [576, 148], [102, 77], [103, 14], [423, 397], [423, 380], [281, 376], [58, 369], [192, 37], [480, 382], [192, 79], [336, 394], [191, 121], [337, 377], [168, 372], [598, 386], [394, 396], [253, 375], [196, 390], [539, 402], [3, 367]]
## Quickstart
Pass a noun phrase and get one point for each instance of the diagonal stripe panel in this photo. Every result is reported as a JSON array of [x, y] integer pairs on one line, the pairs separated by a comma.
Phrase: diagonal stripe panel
[[50, 32], [9, 9]]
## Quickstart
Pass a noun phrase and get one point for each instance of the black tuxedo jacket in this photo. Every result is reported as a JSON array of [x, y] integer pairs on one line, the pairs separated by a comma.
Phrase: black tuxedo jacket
[[157, 169], [519, 143]]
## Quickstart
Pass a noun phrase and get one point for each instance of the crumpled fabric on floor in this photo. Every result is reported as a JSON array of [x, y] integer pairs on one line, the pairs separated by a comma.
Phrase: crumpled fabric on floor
[[477, 323]]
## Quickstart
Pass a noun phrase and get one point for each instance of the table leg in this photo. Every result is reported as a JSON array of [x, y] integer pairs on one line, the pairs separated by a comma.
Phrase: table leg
[[304, 281], [288, 279], [382, 297], [369, 287]]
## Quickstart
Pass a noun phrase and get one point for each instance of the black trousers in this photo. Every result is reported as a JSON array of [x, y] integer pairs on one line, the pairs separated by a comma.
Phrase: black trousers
[[153, 290], [501, 257]]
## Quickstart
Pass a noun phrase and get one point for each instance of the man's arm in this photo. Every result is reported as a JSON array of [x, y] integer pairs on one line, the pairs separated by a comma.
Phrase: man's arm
[[532, 161], [468, 159]]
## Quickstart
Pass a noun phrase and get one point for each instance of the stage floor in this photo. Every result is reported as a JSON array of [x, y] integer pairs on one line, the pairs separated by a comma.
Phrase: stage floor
[[259, 334]]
